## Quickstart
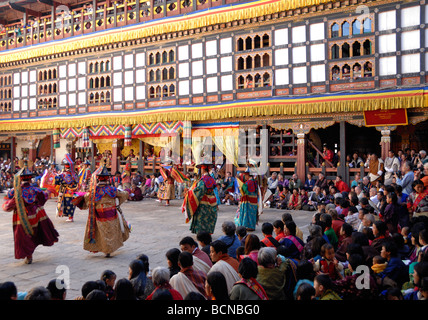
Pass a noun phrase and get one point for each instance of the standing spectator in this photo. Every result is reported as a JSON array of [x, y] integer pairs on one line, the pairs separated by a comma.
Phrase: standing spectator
[[356, 161], [375, 166], [407, 180], [390, 215], [392, 166]]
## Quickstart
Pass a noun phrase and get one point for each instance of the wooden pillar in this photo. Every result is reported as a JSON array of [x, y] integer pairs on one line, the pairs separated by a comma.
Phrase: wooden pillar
[[52, 157], [342, 147], [32, 150], [385, 143], [141, 156], [93, 164], [114, 156], [301, 156], [12, 153]]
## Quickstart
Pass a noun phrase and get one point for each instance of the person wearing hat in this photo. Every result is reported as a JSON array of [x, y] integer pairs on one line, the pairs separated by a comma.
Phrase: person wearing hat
[[126, 176], [84, 176], [200, 202], [247, 214], [31, 225], [67, 180], [48, 180], [106, 228], [166, 188]]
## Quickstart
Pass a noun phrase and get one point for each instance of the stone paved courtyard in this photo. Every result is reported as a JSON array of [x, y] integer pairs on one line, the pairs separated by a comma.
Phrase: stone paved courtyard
[[155, 229]]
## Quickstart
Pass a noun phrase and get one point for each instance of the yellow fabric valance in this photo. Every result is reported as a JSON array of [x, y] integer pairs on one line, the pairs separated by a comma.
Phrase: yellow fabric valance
[[294, 106]]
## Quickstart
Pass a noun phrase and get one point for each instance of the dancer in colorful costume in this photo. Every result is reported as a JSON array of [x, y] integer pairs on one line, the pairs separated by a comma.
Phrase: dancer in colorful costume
[[67, 181], [31, 225], [166, 189], [200, 203], [106, 228]]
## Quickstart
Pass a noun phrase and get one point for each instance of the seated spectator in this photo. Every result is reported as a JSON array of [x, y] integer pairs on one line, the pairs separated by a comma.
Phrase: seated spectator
[[57, 291], [345, 233], [160, 277], [272, 273], [230, 238], [204, 238], [380, 232], [216, 286], [379, 264], [188, 279], [396, 270], [309, 182], [138, 278], [341, 185], [328, 230], [278, 228], [295, 202], [201, 261], [328, 264], [241, 232], [288, 217], [348, 289], [172, 260], [292, 243], [8, 291], [218, 252], [124, 290], [136, 194], [268, 240], [252, 247], [38, 293], [282, 198], [248, 288], [324, 288]]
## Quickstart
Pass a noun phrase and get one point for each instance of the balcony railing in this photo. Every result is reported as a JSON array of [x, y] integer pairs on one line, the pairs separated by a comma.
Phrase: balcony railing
[[78, 22]]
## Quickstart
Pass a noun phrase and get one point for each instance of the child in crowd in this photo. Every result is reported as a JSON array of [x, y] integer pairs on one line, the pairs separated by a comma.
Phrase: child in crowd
[[379, 264], [109, 278], [328, 263]]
